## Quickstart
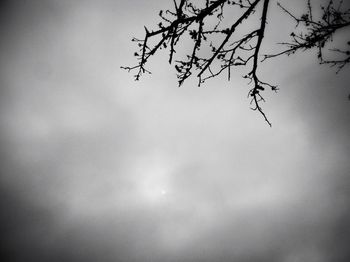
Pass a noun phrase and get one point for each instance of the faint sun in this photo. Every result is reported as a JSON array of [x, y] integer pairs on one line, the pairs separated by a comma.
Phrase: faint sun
[[152, 179]]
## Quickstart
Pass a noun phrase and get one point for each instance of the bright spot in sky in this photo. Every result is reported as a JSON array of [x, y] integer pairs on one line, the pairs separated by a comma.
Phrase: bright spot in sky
[[152, 179]]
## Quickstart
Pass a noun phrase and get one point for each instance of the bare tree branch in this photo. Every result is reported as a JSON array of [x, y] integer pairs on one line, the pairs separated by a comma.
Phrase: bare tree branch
[[217, 48], [316, 33]]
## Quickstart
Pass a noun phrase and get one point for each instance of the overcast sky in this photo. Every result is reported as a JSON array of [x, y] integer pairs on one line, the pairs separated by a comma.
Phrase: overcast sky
[[98, 167]]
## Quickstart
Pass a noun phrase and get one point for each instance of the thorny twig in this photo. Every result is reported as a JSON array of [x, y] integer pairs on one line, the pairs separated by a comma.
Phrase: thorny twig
[[233, 50], [316, 33], [217, 48]]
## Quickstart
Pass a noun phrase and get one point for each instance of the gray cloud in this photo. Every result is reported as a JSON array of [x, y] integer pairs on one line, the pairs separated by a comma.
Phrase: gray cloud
[[97, 167]]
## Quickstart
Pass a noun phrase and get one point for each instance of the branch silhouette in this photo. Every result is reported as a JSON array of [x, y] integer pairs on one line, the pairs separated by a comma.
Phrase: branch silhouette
[[217, 46], [316, 33]]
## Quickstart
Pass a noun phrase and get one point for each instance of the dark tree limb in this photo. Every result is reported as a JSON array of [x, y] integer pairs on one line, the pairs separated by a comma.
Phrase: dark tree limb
[[317, 33], [229, 52], [218, 48], [258, 85]]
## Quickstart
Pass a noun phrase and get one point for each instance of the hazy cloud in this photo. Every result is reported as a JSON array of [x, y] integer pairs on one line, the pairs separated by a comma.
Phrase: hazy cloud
[[97, 167]]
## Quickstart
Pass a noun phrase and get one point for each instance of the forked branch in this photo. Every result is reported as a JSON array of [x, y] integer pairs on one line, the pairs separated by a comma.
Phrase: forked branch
[[209, 56], [218, 47], [318, 32]]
